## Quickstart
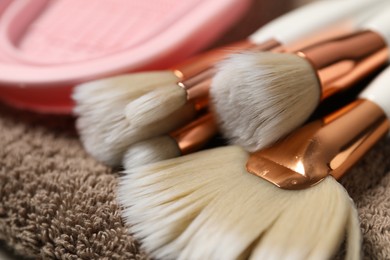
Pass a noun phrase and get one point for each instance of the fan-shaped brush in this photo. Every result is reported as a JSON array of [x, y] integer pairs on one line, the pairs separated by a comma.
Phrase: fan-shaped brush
[[207, 206], [117, 112], [274, 93]]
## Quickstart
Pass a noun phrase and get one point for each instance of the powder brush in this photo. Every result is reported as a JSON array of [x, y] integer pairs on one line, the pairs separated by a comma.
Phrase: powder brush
[[206, 205], [116, 112], [274, 93]]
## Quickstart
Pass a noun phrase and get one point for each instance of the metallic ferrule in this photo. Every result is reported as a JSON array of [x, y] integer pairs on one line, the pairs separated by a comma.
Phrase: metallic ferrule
[[195, 74], [196, 134], [342, 62], [321, 148]]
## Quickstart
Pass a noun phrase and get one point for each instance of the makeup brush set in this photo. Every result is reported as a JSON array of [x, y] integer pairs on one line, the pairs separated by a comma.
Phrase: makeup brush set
[[273, 191]]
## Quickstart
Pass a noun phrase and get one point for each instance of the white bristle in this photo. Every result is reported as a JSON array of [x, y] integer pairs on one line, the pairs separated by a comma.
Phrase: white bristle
[[155, 105], [206, 206], [102, 124], [260, 97], [150, 151]]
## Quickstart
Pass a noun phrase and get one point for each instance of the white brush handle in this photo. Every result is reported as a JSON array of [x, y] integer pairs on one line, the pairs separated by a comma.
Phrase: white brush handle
[[379, 91], [310, 18], [380, 23]]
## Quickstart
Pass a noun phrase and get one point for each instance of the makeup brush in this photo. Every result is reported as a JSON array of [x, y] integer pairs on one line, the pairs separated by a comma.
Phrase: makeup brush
[[110, 118], [147, 108], [103, 129], [274, 93], [206, 206], [185, 140]]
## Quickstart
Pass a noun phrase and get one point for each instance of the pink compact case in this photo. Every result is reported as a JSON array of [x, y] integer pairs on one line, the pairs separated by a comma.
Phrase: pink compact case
[[48, 46]]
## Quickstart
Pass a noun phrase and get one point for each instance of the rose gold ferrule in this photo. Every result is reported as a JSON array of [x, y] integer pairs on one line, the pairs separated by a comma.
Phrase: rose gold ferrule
[[195, 74], [321, 148], [202, 62], [342, 62], [196, 134]]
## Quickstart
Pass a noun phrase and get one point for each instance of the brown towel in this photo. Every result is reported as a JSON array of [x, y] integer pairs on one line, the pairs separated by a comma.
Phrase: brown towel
[[57, 202]]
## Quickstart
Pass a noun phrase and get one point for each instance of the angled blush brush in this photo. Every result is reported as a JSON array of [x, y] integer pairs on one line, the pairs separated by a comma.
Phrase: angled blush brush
[[274, 93], [208, 205], [116, 112]]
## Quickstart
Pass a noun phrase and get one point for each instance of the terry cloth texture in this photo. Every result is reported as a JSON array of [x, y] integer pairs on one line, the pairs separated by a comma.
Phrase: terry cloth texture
[[57, 202]]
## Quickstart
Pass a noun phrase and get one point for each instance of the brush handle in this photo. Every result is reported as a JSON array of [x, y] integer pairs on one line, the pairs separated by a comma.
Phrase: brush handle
[[310, 18], [379, 91], [380, 24]]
